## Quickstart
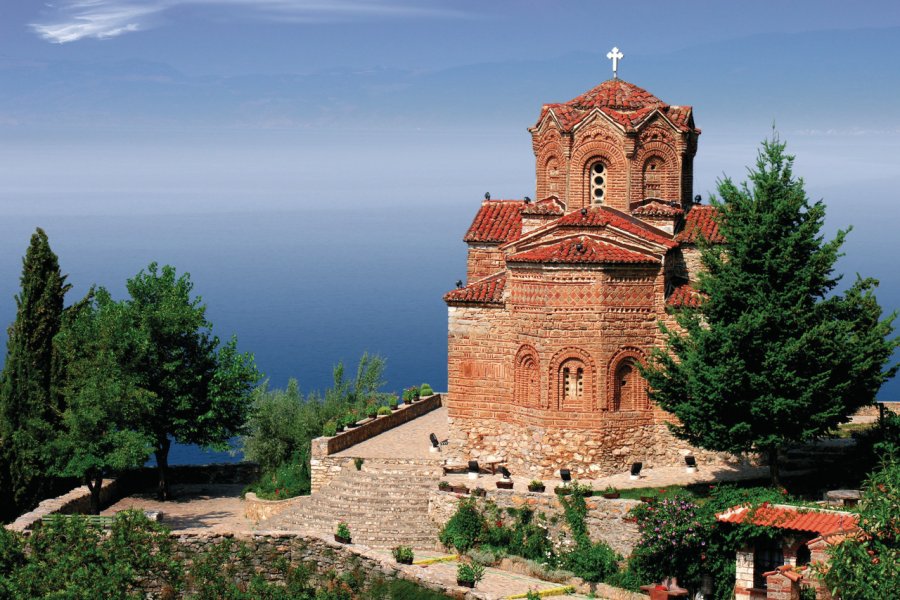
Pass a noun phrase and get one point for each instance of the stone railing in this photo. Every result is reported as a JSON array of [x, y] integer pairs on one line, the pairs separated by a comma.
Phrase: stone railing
[[606, 520], [77, 501]]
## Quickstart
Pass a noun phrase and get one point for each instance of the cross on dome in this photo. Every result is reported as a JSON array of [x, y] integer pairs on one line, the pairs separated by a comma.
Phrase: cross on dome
[[614, 55]]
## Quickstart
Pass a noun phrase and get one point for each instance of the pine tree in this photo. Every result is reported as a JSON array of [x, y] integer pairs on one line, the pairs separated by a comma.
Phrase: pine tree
[[773, 355], [30, 408]]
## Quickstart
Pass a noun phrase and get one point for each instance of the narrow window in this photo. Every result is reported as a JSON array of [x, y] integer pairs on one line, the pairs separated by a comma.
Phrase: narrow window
[[579, 383], [566, 384], [598, 182]]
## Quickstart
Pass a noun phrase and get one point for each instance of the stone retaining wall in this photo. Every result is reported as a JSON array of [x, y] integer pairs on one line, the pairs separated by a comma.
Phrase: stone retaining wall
[[324, 470], [872, 411], [606, 519], [257, 509], [77, 501], [267, 548]]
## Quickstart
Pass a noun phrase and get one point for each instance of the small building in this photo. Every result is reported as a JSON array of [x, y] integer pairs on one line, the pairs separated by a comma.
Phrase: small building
[[777, 569]]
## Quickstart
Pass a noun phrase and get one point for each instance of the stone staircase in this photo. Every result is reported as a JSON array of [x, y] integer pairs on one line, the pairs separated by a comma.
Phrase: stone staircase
[[383, 504]]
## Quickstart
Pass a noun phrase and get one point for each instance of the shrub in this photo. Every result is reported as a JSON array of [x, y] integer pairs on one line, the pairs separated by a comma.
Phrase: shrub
[[372, 411], [393, 402], [425, 390], [289, 480], [358, 463], [464, 528], [535, 485], [383, 411], [592, 561], [410, 394], [470, 572], [444, 486], [403, 554], [329, 429], [343, 530]]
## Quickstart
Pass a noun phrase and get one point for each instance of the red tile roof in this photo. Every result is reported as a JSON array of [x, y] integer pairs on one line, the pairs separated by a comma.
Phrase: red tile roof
[[603, 216], [497, 221], [548, 206], [657, 208], [684, 295], [486, 291], [582, 250], [625, 103], [792, 517], [701, 221]]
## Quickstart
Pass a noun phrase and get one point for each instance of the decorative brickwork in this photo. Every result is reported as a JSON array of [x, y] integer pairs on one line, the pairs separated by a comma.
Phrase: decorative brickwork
[[564, 295]]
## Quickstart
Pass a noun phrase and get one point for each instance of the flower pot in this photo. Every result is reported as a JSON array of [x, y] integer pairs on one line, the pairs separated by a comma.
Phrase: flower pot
[[459, 489], [341, 539], [405, 561], [468, 584], [504, 485], [479, 492], [537, 488], [611, 495]]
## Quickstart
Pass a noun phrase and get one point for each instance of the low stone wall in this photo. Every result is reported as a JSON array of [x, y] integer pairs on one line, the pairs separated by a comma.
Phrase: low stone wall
[[872, 411], [257, 509], [77, 501], [379, 425], [606, 519], [324, 470], [267, 548]]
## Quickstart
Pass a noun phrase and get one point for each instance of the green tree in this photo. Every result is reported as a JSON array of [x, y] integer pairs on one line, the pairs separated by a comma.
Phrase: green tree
[[29, 407], [200, 390], [101, 424], [868, 565], [773, 355]]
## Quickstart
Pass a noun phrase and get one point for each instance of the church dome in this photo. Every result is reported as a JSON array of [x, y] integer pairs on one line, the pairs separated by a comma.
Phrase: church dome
[[617, 95]]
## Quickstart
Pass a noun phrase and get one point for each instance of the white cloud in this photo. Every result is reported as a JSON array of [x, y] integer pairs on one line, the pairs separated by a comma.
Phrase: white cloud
[[73, 20]]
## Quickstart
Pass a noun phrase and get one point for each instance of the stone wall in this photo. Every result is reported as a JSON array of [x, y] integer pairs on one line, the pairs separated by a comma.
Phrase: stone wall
[[77, 501], [322, 556], [257, 509], [606, 520]]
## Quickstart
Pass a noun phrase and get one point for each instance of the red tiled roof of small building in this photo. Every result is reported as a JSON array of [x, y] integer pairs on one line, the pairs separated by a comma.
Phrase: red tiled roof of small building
[[792, 517], [625, 103], [657, 208], [603, 216], [701, 221], [684, 295], [589, 252], [497, 221], [486, 291]]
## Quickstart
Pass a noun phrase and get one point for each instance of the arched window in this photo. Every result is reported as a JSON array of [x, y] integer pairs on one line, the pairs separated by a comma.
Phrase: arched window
[[598, 174], [627, 389], [527, 390], [652, 177], [571, 378]]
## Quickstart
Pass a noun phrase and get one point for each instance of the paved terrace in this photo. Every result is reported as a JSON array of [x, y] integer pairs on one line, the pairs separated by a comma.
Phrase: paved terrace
[[409, 440]]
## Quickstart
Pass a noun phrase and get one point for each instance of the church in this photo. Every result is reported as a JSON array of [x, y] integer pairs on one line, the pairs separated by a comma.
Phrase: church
[[564, 293]]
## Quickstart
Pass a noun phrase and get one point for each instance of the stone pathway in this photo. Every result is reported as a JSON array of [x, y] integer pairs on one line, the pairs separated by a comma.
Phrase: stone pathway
[[215, 508], [409, 440]]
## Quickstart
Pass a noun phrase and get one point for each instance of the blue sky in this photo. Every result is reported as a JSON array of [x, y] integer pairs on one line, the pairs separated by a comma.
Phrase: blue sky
[[155, 109]]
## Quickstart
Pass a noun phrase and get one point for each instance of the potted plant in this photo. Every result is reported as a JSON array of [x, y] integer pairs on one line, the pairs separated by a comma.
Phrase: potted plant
[[610, 493], [469, 574], [393, 403], [383, 411], [459, 489], [536, 485], [351, 420], [444, 486], [504, 484], [479, 492], [410, 395], [403, 555], [342, 534], [372, 411]]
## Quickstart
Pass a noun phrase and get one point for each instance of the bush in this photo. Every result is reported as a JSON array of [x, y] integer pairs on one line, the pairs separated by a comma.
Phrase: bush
[[465, 527], [425, 390], [329, 429], [289, 480], [470, 572], [403, 554], [343, 530], [535, 485], [393, 402]]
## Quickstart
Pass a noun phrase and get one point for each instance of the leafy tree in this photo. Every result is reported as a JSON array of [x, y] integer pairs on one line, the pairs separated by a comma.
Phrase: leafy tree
[[200, 390], [101, 425], [29, 407], [773, 355], [868, 565]]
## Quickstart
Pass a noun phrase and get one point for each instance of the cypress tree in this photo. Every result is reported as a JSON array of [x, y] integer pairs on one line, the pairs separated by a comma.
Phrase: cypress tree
[[773, 355], [30, 408]]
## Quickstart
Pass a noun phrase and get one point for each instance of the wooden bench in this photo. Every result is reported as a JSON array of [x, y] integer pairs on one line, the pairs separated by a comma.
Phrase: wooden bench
[[102, 521]]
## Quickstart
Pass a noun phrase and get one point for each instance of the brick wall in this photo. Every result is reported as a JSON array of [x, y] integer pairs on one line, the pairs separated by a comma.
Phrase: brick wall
[[483, 260]]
